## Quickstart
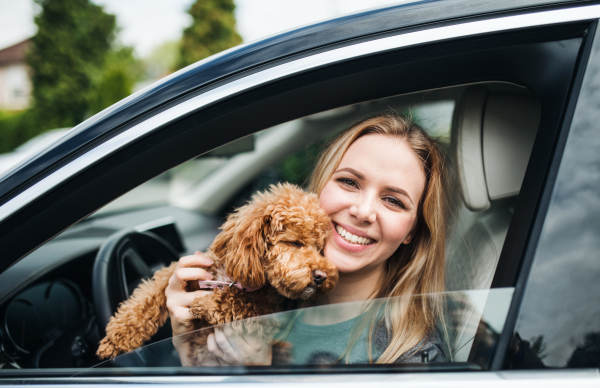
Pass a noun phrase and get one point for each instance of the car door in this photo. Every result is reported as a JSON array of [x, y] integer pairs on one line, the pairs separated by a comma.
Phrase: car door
[[562, 282], [541, 53]]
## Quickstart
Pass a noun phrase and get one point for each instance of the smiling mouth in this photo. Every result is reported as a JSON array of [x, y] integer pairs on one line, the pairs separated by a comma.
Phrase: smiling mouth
[[351, 238]]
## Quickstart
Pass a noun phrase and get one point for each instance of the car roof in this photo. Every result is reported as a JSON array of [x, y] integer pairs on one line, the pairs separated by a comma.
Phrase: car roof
[[302, 41]]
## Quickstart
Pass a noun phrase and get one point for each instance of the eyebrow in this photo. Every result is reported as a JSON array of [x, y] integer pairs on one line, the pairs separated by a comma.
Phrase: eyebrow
[[388, 188]]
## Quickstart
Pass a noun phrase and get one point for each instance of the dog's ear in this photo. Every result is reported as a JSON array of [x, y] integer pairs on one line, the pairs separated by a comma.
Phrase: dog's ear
[[242, 244]]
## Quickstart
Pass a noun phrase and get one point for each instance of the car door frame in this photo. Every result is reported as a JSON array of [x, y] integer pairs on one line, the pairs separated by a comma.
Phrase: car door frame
[[160, 147]]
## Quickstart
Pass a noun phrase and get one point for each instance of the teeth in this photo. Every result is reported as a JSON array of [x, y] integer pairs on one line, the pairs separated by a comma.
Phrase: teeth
[[352, 238]]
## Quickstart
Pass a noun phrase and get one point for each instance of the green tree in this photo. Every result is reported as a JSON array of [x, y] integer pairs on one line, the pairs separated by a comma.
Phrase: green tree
[[162, 59], [116, 79], [212, 31], [16, 128], [69, 57]]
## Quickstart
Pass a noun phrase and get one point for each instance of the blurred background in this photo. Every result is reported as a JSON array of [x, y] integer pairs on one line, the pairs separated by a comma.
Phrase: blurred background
[[62, 61]]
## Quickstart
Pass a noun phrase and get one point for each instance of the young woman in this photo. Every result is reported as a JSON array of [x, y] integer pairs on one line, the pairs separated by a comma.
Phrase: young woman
[[382, 183]]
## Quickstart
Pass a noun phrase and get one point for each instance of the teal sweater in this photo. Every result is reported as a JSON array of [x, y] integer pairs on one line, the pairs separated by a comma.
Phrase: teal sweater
[[324, 344]]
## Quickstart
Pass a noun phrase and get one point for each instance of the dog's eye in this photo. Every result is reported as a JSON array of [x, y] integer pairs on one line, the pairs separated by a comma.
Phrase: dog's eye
[[296, 243]]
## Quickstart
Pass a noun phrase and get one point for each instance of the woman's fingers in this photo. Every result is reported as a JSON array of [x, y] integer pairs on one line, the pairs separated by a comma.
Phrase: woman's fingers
[[197, 259], [188, 274], [215, 348], [247, 344], [238, 349], [231, 353], [184, 299], [178, 304], [220, 347], [187, 270], [181, 315]]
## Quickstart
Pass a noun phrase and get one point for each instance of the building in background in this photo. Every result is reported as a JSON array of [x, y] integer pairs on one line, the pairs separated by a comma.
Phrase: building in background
[[15, 85]]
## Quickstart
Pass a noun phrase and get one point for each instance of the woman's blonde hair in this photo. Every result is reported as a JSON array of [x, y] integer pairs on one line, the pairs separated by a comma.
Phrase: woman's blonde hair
[[416, 268]]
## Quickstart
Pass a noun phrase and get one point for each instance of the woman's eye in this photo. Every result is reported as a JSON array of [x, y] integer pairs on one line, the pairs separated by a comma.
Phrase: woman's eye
[[297, 244], [348, 182], [395, 202]]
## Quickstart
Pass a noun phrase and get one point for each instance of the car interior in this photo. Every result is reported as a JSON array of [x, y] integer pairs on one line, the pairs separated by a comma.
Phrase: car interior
[[55, 302]]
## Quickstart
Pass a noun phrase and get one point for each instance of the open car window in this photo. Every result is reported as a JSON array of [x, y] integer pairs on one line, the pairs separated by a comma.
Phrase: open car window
[[306, 339], [226, 177], [486, 130]]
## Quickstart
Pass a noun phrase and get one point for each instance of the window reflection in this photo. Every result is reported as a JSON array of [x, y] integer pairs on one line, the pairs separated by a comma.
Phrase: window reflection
[[558, 320], [469, 315]]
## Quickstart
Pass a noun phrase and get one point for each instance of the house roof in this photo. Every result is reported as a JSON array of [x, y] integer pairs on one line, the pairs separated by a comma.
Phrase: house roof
[[14, 54]]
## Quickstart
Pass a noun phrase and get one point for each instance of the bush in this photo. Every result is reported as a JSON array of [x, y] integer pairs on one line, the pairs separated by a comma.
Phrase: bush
[[16, 128]]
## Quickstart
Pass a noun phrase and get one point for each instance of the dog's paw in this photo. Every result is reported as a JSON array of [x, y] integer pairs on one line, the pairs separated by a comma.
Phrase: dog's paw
[[108, 350]]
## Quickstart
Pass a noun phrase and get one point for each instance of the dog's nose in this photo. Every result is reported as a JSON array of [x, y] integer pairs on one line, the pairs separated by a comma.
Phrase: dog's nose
[[319, 276]]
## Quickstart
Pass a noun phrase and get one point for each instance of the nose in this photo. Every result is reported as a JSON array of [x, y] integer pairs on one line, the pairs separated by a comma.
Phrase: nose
[[364, 209], [319, 276]]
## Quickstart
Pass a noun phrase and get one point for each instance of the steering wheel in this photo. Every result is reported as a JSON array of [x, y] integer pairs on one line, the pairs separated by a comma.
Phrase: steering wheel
[[126, 258]]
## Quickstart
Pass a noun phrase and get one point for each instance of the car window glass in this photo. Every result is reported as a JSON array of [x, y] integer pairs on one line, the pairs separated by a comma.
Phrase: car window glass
[[558, 323], [309, 337]]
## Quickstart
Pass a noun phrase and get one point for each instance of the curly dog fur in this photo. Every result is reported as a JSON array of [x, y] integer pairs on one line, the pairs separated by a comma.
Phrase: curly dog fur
[[273, 243]]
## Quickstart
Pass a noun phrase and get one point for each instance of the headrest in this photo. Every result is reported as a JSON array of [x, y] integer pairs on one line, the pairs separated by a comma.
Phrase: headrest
[[494, 135]]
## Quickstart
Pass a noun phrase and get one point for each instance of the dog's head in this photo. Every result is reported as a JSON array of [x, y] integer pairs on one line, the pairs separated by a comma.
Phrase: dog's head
[[278, 237]]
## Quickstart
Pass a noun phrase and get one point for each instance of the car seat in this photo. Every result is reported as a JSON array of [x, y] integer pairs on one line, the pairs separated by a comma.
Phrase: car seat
[[492, 136]]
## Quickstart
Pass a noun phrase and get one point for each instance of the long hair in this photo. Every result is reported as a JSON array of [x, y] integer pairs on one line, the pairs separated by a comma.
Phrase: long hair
[[416, 268]]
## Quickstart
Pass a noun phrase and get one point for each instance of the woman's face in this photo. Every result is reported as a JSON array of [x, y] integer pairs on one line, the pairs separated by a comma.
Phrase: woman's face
[[372, 199]]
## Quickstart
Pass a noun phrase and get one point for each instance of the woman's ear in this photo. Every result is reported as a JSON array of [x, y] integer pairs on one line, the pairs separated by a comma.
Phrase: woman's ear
[[411, 234], [242, 244]]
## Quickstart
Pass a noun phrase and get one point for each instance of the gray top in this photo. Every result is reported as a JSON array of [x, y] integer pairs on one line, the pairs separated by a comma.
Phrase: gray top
[[324, 344]]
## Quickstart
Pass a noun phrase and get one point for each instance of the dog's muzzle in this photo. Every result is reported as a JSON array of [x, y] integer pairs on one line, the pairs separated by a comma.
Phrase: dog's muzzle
[[308, 292]]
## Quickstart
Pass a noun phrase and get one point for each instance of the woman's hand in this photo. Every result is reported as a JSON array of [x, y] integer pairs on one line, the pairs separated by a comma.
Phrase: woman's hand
[[232, 349], [178, 300]]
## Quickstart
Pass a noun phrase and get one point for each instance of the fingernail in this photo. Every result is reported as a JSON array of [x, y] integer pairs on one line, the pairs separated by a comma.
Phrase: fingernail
[[209, 261], [209, 276]]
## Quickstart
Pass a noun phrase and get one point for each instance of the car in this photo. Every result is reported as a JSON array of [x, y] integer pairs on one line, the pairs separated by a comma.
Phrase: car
[[509, 89], [30, 148]]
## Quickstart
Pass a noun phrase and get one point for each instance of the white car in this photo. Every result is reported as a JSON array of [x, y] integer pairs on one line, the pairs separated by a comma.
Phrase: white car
[[29, 149]]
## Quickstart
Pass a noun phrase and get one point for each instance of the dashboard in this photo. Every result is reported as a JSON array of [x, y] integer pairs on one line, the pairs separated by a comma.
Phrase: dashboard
[[46, 299]]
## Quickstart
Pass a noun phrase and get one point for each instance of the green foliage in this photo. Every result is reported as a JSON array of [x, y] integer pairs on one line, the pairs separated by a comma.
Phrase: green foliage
[[66, 56], [298, 167], [76, 69], [115, 80], [212, 31], [16, 128], [162, 59]]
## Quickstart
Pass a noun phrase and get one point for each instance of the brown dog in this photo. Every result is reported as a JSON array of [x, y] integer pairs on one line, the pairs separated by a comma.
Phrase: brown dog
[[268, 249]]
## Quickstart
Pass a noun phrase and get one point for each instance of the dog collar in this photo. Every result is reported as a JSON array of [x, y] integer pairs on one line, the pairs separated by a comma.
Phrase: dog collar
[[212, 284]]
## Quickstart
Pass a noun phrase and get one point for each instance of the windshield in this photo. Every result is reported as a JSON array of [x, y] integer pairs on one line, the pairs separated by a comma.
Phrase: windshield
[[336, 335]]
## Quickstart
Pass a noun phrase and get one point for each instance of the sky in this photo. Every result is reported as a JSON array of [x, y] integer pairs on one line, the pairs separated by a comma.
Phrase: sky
[[145, 24]]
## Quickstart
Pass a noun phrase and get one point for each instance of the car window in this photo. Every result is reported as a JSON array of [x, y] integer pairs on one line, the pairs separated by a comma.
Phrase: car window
[[309, 337], [186, 205], [286, 152], [563, 282]]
